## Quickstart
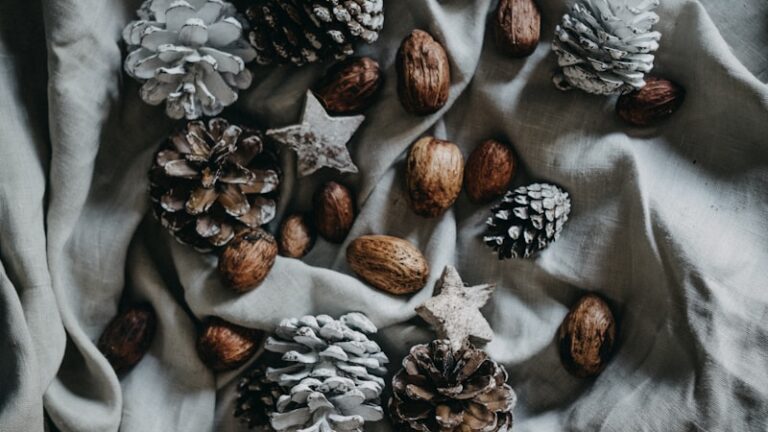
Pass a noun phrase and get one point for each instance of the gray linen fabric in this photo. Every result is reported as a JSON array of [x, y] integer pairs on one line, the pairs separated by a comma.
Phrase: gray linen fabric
[[669, 223]]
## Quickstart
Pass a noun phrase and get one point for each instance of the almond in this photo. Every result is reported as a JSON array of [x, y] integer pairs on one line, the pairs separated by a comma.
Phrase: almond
[[334, 211], [297, 236], [246, 261], [224, 346], [128, 336], [517, 27], [434, 174], [388, 263], [350, 86], [490, 169], [586, 337], [424, 74], [657, 100]]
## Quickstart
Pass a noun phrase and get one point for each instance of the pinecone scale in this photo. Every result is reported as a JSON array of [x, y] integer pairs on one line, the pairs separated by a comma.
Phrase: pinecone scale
[[527, 220], [213, 180], [606, 47], [301, 32], [441, 390]]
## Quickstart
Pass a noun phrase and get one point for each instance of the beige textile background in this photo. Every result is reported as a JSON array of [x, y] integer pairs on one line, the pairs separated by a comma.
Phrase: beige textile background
[[669, 223]]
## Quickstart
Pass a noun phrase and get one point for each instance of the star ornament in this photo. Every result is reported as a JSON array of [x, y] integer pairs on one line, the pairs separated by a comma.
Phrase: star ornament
[[319, 140], [454, 311]]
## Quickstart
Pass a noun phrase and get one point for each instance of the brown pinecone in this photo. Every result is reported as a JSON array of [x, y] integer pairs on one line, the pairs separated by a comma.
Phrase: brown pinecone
[[307, 31], [256, 398], [210, 181], [439, 390]]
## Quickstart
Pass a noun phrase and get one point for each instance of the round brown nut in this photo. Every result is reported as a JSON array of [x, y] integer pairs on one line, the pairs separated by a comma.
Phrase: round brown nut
[[517, 27], [657, 100], [424, 74], [334, 211], [246, 261], [434, 174], [388, 263], [128, 336], [586, 337], [296, 236], [350, 86], [490, 169], [225, 346]]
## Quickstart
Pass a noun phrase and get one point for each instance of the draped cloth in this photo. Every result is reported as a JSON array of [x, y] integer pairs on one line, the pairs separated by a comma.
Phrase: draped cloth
[[669, 223]]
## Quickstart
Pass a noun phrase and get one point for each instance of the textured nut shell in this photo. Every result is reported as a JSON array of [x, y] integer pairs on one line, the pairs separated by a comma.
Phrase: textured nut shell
[[656, 101], [388, 263], [225, 346], [517, 27], [434, 174], [586, 337], [296, 236], [424, 74], [490, 169], [128, 336], [350, 86], [334, 211], [247, 260]]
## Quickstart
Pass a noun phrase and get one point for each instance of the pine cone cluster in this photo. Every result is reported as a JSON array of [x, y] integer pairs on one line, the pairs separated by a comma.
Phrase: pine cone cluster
[[190, 54], [212, 180], [307, 31], [606, 47], [328, 377], [527, 220], [439, 390], [257, 397]]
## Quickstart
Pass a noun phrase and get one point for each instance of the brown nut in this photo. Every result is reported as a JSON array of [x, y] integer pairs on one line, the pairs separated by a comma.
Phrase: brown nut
[[434, 174], [334, 211], [657, 100], [350, 86], [517, 27], [586, 337], [424, 74], [225, 346], [128, 336], [297, 236], [246, 261], [490, 169], [388, 263]]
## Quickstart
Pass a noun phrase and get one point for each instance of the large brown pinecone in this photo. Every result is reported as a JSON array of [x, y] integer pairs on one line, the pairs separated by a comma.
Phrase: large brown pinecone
[[307, 31], [213, 180], [440, 391]]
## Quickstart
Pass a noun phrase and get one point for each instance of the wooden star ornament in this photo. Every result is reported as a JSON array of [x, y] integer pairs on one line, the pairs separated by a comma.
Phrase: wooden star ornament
[[454, 311], [319, 140]]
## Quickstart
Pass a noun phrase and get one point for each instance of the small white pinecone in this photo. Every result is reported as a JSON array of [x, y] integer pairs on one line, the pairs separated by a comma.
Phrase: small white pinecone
[[190, 54], [527, 220], [606, 47], [330, 372]]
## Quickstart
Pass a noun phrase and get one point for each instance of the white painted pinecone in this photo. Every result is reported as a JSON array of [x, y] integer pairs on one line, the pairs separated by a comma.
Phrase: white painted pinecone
[[331, 373], [190, 54], [606, 46], [527, 220]]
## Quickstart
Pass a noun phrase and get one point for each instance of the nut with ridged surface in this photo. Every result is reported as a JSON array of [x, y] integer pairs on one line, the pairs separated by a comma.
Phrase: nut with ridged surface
[[334, 211], [434, 174], [586, 337], [128, 336], [388, 263], [659, 99], [223, 346], [350, 86], [247, 260], [489, 171], [424, 74], [517, 27], [297, 236]]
